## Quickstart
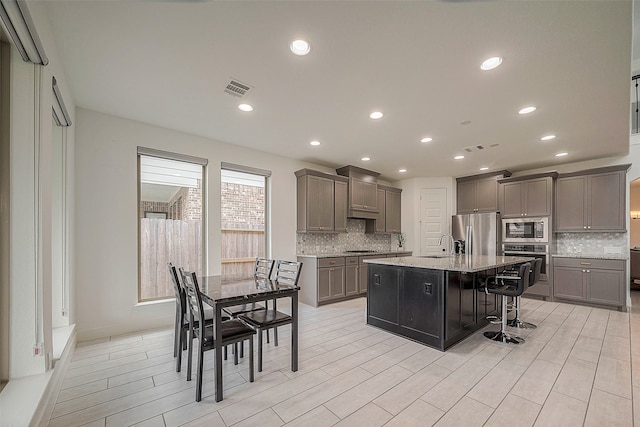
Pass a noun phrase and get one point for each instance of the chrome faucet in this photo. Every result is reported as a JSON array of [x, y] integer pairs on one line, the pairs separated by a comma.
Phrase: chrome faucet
[[453, 245]]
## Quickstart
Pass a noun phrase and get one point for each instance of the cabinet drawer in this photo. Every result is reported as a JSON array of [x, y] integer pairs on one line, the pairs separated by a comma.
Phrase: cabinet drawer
[[603, 264], [331, 262], [352, 260]]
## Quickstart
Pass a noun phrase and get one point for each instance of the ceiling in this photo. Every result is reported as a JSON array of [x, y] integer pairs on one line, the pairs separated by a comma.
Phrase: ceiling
[[167, 63]]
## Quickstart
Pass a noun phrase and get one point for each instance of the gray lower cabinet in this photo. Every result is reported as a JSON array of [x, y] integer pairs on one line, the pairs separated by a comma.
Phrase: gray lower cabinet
[[351, 276], [331, 278], [594, 281]]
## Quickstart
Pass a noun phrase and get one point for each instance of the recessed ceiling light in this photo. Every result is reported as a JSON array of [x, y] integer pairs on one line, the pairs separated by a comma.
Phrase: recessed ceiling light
[[491, 63], [300, 47], [547, 138], [402, 170], [314, 143], [245, 107], [427, 139], [365, 159], [459, 157], [376, 115], [527, 110], [561, 154], [484, 168], [466, 122]]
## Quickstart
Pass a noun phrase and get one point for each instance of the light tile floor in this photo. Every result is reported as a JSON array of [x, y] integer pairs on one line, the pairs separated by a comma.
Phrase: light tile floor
[[581, 366]]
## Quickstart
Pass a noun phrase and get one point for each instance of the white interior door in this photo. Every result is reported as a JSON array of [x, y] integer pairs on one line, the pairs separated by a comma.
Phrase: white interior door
[[434, 220]]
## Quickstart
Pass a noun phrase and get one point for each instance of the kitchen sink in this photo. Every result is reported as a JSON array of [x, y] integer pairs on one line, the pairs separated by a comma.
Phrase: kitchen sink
[[434, 256]]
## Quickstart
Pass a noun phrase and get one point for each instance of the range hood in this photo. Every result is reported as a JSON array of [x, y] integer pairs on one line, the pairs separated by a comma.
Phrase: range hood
[[363, 192]]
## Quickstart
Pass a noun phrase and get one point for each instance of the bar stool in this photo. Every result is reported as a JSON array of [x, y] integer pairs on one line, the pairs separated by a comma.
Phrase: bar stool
[[507, 286], [534, 277]]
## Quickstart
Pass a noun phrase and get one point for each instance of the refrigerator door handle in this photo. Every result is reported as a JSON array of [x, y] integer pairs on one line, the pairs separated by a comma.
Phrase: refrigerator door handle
[[469, 243]]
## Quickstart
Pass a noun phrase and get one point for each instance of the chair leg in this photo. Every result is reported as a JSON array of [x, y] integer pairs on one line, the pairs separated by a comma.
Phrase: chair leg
[[517, 322], [251, 375], [200, 369], [275, 336], [241, 348], [226, 352], [177, 331], [259, 350], [190, 355], [268, 336], [235, 353], [179, 348], [502, 335]]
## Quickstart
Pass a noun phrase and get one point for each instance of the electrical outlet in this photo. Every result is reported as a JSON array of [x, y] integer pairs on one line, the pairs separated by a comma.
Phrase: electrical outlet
[[612, 250], [37, 350]]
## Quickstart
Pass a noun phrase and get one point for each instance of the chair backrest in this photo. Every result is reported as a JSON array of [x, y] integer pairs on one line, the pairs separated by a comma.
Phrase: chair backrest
[[263, 268], [177, 287], [523, 273], [536, 270], [192, 293], [288, 272]]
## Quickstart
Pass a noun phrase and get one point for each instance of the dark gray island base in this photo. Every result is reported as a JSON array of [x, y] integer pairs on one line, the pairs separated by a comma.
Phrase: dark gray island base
[[434, 301]]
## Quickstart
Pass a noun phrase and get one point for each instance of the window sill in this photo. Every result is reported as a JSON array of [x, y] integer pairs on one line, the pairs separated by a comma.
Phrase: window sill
[[155, 302]]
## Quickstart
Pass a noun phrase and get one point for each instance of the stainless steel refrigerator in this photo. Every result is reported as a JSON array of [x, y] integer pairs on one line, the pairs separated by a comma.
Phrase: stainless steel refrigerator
[[480, 233]]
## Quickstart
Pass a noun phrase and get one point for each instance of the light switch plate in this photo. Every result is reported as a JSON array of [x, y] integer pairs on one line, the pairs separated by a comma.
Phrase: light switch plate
[[612, 250]]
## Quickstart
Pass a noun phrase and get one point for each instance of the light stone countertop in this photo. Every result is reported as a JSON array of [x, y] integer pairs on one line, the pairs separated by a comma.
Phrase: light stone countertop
[[464, 263], [592, 256], [345, 254]]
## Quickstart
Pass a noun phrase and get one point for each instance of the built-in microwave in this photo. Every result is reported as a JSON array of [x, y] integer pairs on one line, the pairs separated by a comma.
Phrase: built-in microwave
[[525, 230]]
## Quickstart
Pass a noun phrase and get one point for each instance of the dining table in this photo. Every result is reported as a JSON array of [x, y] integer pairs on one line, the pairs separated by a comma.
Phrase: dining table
[[220, 291]]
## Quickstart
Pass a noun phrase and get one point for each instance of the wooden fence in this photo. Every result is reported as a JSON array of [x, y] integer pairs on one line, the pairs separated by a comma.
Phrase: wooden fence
[[239, 251], [163, 241]]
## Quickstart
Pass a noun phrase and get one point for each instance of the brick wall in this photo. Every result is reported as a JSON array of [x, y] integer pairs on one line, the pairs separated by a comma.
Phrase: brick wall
[[243, 207], [146, 206]]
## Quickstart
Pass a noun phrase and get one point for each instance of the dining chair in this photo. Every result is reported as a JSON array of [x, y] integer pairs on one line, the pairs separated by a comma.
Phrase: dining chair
[[287, 273], [233, 331], [262, 269], [181, 326]]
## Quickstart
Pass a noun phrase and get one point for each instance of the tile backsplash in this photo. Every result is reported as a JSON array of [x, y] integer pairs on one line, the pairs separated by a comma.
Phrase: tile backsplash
[[592, 243], [354, 239]]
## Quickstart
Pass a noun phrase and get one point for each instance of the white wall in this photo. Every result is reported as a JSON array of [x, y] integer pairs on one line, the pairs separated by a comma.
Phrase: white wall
[[411, 189], [107, 222]]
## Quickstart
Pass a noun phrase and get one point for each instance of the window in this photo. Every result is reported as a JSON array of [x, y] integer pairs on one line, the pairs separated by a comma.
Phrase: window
[[170, 216], [244, 230]]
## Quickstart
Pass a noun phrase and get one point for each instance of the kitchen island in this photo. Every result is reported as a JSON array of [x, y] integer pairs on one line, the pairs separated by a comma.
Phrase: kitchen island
[[435, 299]]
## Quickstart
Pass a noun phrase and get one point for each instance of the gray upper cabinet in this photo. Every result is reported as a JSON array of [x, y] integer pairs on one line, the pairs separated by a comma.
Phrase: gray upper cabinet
[[341, 205], [593, 200], [380, 219], [526, 196], [388, 220], [478, 193], [363, 192], [321, 202], [392, 209]]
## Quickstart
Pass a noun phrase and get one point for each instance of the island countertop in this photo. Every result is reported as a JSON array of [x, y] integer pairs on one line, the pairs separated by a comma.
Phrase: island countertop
[[463, 263]]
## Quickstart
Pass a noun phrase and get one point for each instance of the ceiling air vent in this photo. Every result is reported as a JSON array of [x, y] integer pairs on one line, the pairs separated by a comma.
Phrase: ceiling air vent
[[236, 88], [474, 148]]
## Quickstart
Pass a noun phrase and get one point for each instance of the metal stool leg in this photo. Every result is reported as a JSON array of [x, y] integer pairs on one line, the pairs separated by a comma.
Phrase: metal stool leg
[[502, 335], [517, 322]]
